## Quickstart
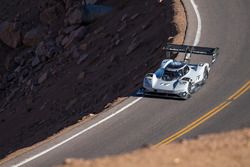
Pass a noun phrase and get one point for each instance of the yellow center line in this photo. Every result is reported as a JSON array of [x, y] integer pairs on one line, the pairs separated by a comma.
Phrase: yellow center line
[[242, 92], [193, 124], [244, 87], [206, 116]]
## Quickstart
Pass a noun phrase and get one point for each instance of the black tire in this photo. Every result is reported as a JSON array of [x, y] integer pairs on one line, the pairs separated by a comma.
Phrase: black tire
[[189, 91], [140, 92], [205, 76], [189, 88]]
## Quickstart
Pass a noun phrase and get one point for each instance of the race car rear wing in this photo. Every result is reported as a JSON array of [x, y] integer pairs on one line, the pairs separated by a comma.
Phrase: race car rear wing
[[189, 50]]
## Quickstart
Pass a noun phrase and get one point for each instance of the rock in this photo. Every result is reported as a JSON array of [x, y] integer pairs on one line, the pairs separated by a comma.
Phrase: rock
[[74, 16], [59, 40], [81, 76], [41, 49], [83, 46], [133, 46], [98, 30], [38, 68], [117, 42], [75, 35], [68, 161], [25, 72], [28, 82], [124, 17], [134, 35], [134, 16], [9, 35], [11, 77], [65, 40], [122, 27], [72, 52], [34, 36], [52, 15], [43, 106], [69, 29], [52, 51], [82, 58], [47, 49], [18, 69], [12, 94], [146, 25], [19, 60], [75, 52], [177, 160], [68, 3], [43, 77], [35, 61], [91, 115], [107, 105], [71, 103]]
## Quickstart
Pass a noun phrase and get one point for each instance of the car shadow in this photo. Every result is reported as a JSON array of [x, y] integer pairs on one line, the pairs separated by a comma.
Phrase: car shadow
[[139, 93]]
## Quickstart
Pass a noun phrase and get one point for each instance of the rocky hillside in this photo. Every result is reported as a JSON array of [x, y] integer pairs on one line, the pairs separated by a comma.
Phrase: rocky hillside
[[58, 63]]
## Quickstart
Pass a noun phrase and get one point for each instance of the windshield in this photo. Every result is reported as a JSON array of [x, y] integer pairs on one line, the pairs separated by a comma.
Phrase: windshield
[[169, 75], [172, 75]]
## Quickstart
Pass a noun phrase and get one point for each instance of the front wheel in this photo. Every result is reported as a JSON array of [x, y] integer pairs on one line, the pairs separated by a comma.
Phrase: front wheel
[[140, 92]]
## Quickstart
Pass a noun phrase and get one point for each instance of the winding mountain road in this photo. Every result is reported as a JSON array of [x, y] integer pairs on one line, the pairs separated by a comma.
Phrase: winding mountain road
[[221, 105]]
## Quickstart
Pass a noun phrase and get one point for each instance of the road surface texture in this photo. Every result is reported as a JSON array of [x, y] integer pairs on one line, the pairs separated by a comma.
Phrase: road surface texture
[[224, 24]]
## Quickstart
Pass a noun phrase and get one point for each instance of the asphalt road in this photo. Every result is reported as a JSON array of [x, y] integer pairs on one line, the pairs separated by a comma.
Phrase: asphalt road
[[225, 24]]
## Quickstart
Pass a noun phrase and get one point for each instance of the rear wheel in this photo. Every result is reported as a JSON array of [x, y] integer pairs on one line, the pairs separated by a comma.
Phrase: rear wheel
[[189, 91], [205, 76]]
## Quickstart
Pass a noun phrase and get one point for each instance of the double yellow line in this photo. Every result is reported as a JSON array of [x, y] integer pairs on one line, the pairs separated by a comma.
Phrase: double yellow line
[[208, 115], [240, 92]]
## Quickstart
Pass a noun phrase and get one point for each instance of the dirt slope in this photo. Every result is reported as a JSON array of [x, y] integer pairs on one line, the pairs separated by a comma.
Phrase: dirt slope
[[56, 68], [231, 149]]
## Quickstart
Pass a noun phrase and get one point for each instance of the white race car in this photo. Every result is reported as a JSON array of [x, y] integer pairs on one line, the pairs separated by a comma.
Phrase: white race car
[[179, 79]]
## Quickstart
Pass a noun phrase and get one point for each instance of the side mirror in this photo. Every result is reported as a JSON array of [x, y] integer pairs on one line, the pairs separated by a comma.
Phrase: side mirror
[[149, 75]]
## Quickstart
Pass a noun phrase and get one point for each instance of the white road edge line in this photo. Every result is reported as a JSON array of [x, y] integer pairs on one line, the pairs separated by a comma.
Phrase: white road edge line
[[77, 134], [198, 31], [196, 42]]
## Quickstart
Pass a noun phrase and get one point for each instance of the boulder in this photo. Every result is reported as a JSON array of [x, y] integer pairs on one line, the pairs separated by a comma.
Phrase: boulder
[[52, 15], [133, 46], [81, 76], [59, 40], [43, 77], [69, 29], [74, 16], [9, 35], [41, 49], [78, 34], [47, 49], [82, 58], [34, 36], [35, 61], [68, 3], [71, 104]]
